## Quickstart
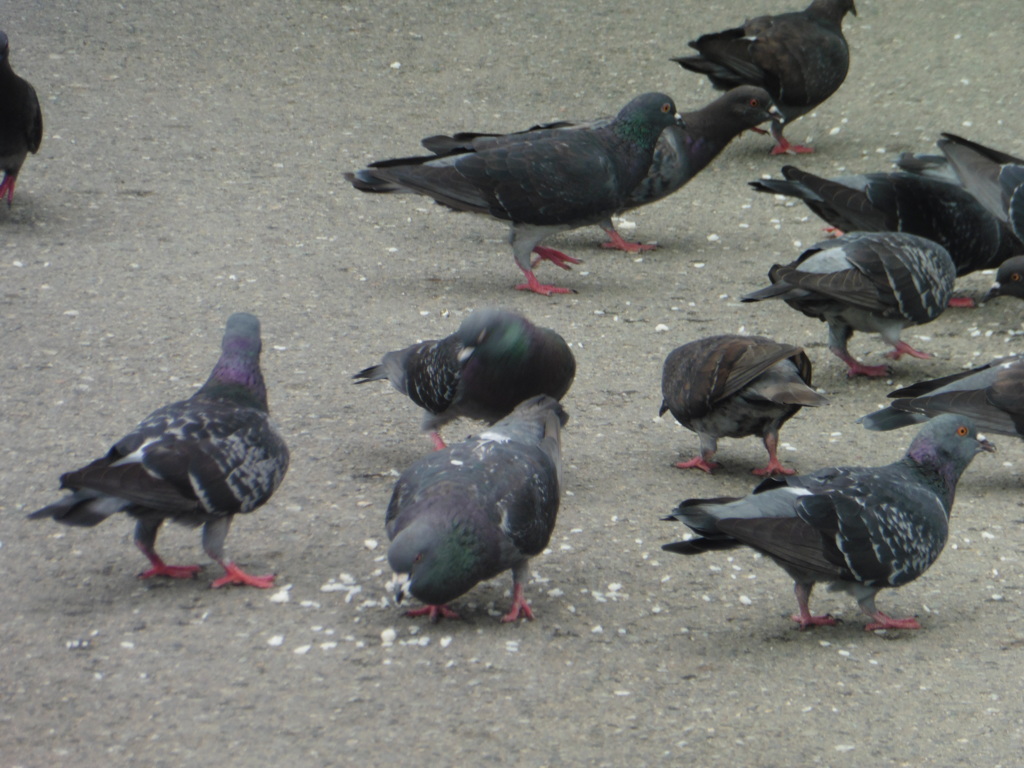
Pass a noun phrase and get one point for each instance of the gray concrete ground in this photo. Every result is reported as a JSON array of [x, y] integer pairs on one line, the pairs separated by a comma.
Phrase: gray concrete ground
[[192, 167]]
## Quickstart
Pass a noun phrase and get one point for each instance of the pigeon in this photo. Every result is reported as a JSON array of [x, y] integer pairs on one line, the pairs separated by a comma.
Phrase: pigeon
[[494, 361], [735, 386], [904, 202], [542, 186], [995, 178], [861, 528], [476, 509], [866, 281], [21, 122], [680, 154], [1009, 279], [992, 396], [800, 58], [197, 461]]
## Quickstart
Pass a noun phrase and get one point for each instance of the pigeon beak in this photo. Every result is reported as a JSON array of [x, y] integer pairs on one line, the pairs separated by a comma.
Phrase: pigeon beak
[[776, 114], [401, 586], [985, 445], [679, 120], [992, 292]]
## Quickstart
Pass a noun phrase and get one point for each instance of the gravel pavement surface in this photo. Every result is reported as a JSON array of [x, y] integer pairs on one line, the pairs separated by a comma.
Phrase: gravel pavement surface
[[191, 167]]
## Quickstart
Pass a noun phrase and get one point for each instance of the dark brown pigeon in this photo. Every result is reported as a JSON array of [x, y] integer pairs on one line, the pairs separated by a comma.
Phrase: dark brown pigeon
[[21, 122], [494, 361], [541, 186], [736, 386], [868, 281], [800, 58], [862, 529], [199, 461], [681, 152], [991, 395]]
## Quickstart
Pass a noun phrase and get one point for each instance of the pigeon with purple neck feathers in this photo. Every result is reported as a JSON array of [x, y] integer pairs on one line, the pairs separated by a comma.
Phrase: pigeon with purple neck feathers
[[21, 122], [991, 395], [476, 509], [197, 461], [801, 58], [680, 154], [736, 386], [920, 205], [541, 186], [494, 361], [862, 529], [878, 282]]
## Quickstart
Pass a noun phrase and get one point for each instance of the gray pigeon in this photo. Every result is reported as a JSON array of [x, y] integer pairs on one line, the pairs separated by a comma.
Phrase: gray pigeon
[[800, 58], [681, 152], [197, 461], [494, 361], [736, 386], [879, 282], [541, 186], [991, 395], [476, 509], [904, 202], [21, 122], [861, 528], [1009, 279]]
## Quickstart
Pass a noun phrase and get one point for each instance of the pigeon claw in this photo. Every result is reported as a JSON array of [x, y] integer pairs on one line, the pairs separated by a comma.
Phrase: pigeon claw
[[807, 620], [435, 612], [882, 621], [235, 575], [962, 302], [774, 467], [533, 284], [519, 605], [619, 243], [171, 571], [698, 462], [902, 348]]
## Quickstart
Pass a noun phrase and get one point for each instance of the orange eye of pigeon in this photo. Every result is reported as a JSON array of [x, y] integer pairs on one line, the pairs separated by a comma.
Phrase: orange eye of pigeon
[[962, 431], [1015, 277], [754, 103], [666, 108]]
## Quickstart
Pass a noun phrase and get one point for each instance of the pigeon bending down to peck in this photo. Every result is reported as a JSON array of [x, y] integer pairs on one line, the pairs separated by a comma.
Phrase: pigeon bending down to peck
[[860, 528], [946, 213], [735, 386], [478, 508], [197, 461], [494, 361], [680, 154], [991, 395], [551, 183], [1009, 280], [876, 282], [800, 58], [21, 122]]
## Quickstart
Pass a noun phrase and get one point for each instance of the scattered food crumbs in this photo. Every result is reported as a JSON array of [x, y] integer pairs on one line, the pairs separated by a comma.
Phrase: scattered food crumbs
[[275, 640]]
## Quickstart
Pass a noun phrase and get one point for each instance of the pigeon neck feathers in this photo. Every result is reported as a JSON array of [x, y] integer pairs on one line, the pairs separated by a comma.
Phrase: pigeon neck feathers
[[236, 376]]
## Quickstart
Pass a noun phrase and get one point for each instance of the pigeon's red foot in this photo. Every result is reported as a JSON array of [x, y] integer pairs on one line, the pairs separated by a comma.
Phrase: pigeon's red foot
[[871, 371], [785, 148], [435, 612], [235, 575], [698, 462], [438, 441], [532, 284], [171, 571], [962, 302], [882, 621], [7, 189], [806, 620], [620, 244], [557, 258], [774, 467], [902, 348], [834, 231], [519, 605]]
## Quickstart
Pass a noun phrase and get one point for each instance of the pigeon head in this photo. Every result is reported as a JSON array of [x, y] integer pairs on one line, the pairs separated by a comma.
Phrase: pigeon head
[[645, 117], [435, 558], [1009, 279], [494, 334], [945, 447], [237, 375], [834, 10]]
